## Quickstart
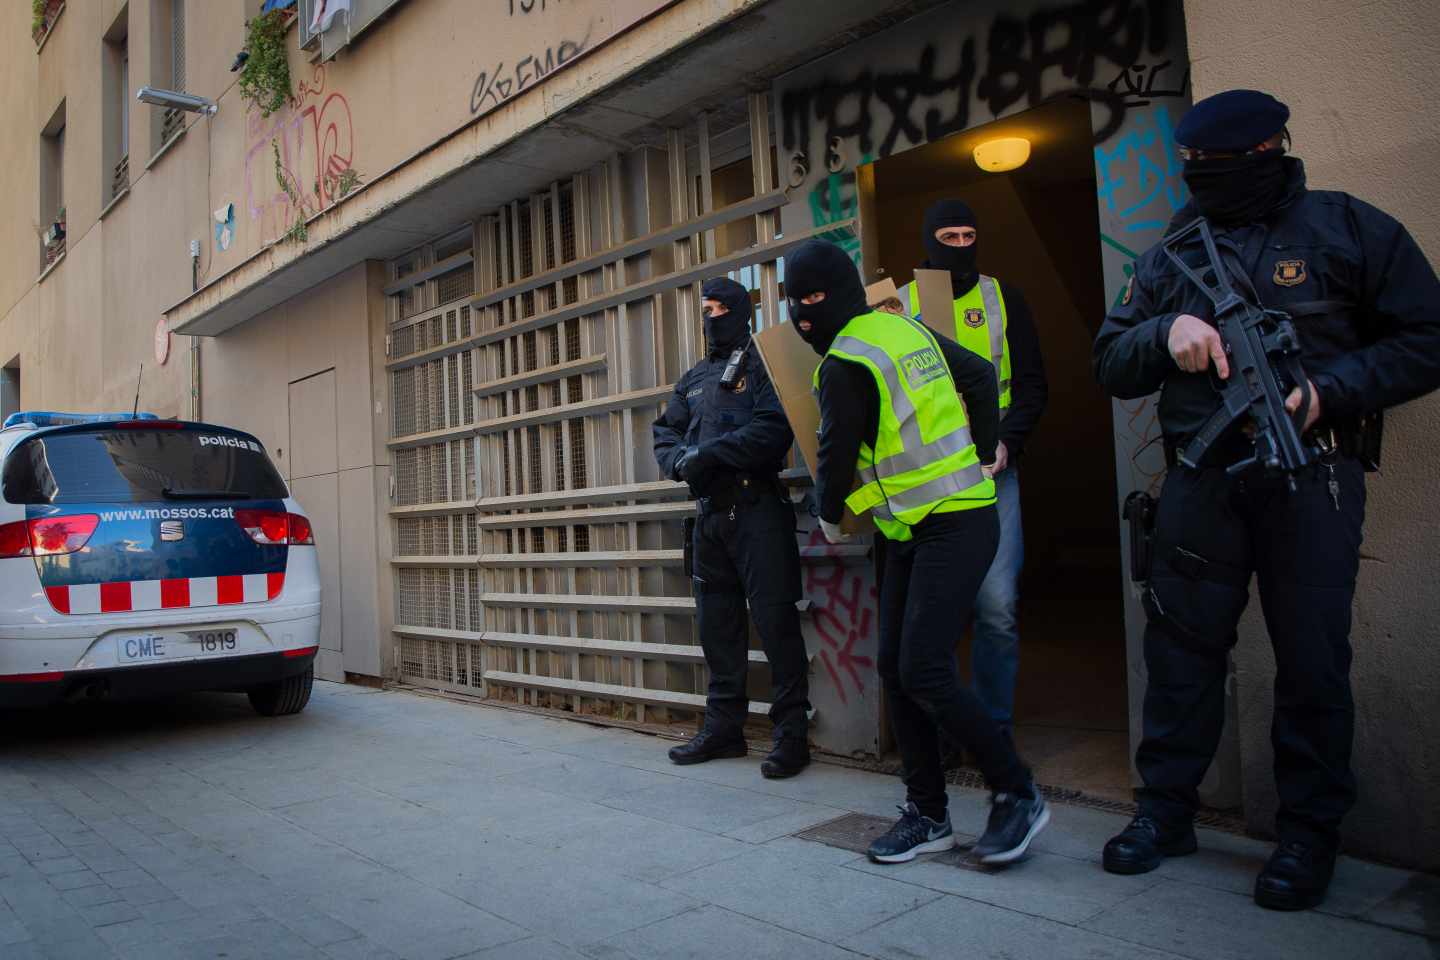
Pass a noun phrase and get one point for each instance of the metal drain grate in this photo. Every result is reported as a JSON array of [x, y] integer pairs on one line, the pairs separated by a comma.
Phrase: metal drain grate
[[854, 831]]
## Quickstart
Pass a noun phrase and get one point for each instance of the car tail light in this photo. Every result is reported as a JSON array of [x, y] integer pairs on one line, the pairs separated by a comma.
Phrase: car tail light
[[52, 677], [299, 652], [47, 536], [52, 536], [272, 527], [301, 533], [265, 526], [15, 539]]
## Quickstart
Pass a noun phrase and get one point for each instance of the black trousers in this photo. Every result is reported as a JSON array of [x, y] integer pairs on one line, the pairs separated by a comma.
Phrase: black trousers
[[927, 586], [1212, 531], [750, 553]]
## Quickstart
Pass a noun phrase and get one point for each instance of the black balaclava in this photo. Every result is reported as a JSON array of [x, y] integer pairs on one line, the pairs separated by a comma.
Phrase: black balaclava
[[728, 331], [1235, 190], [819, 265], [959, 262]]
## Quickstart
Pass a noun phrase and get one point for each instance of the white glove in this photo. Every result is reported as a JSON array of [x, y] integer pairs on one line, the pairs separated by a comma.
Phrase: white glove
[[833, 533]]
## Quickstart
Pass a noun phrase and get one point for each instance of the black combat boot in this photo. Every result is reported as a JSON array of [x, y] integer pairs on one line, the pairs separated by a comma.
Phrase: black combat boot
[[708, 745], [1296, 877], [1141, 846], [790, 756]]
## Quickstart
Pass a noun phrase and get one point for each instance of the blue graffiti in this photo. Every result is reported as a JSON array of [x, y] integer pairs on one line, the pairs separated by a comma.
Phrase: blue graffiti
[[1147, 181]]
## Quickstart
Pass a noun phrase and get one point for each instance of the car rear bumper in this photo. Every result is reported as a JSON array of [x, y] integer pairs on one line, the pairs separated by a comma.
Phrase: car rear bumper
[[229, 673]]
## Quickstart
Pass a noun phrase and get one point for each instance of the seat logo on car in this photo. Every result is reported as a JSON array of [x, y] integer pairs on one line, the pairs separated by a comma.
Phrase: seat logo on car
[[172, 530]]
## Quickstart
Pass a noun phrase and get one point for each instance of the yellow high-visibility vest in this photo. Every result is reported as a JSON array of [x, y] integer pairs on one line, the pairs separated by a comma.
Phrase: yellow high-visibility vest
[[924, 460], [980, 326]]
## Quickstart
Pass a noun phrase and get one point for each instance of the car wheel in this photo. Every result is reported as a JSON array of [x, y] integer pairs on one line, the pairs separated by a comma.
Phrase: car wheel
[[283, 697]]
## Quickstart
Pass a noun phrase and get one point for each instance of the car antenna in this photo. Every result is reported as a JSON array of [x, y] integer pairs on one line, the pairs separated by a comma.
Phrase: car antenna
[[135, 412]]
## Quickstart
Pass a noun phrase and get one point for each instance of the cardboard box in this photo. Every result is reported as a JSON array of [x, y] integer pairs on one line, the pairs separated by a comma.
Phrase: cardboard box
[[791, 365], [882, 295]]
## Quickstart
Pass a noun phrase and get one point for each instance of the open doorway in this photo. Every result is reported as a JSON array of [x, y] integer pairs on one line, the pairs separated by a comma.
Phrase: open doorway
[[1038, 230]]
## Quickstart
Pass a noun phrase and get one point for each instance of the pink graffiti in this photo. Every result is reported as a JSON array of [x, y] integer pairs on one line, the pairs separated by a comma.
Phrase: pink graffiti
[[316, 139], [1147, 465], [843, 615]]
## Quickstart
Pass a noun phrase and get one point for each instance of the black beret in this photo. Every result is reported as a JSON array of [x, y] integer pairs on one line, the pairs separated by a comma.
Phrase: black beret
[[1232, 121]]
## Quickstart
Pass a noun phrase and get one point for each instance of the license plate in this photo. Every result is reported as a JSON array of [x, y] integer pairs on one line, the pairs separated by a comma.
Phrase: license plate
[[149, 647]]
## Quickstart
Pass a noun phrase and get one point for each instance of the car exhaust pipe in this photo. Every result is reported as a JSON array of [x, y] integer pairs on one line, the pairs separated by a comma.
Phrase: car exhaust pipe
[[91, 692]]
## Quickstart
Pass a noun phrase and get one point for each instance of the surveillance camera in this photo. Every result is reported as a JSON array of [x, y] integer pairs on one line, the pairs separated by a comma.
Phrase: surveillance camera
[[177, 100]]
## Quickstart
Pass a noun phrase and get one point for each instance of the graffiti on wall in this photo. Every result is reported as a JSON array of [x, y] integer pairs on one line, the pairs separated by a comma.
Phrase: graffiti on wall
[[1120, 55], [507, 79], [844, 618], [965, 64], [315, 139]]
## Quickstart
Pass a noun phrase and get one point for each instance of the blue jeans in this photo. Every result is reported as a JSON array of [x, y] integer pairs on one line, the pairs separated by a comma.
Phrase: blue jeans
[[995, 652]]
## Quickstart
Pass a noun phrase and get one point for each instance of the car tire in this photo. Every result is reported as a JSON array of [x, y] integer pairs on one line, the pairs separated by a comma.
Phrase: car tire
[[283, 697]]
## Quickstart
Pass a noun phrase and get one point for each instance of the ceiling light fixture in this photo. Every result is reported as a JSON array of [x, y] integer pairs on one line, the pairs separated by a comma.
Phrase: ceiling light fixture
[[1004, 154]]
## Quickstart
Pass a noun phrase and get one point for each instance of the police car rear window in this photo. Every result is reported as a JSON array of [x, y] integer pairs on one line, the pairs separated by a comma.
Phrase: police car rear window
[[137, 465]]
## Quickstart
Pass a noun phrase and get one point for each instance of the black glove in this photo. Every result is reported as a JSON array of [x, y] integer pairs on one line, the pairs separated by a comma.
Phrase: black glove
[[696, 470], [682, 461]]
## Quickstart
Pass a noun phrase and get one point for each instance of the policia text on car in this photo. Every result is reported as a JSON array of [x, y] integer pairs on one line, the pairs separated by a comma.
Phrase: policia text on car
[[1365, 305], [724, 434], [890, 413]]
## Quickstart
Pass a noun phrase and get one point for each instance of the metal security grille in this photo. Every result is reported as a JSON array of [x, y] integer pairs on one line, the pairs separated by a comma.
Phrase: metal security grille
[[547, 569]]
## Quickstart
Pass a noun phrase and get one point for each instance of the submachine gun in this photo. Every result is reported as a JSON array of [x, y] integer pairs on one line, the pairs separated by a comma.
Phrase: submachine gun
[[1263, 351]]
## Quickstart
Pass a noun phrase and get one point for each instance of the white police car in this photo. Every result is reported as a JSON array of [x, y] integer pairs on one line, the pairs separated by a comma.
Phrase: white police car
[[141, 556]]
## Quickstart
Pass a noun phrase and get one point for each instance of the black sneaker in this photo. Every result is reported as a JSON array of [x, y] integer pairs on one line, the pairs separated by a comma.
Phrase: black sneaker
[[912, 835], [1296, 877], [709, 746], [1015, 818], [790, 756], [1141, 846]]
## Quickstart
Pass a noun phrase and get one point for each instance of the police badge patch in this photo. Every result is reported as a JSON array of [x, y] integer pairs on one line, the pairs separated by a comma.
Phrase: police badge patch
[[974, 317], [1289, 273], [1129, 292], [739, 386]]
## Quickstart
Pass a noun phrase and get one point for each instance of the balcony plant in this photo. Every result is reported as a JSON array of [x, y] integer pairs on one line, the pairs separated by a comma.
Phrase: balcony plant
[[265, 76], [42, 15]]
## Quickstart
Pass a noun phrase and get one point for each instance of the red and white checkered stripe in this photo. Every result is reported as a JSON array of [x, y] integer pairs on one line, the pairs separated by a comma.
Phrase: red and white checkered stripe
[[129, 595]]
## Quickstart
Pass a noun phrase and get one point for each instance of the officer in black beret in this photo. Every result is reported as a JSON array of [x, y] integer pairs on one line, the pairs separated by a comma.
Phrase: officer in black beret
[[724, 433], [1366, 305]]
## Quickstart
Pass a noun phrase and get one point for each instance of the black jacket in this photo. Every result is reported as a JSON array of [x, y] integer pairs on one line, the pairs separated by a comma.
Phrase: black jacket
[[850, 413], [743, 430], [1365, 301]]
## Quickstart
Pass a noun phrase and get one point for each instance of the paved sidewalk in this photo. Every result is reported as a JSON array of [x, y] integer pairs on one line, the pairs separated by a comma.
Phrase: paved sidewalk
[[384, 824]]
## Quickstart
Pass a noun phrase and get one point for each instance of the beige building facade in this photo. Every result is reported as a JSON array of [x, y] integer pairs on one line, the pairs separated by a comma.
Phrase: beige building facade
[[450, 282]]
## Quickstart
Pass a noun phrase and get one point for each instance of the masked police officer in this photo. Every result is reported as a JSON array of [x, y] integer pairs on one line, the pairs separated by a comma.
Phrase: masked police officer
[[890, 414], [992, 320], [724, 433], [1364, 303]]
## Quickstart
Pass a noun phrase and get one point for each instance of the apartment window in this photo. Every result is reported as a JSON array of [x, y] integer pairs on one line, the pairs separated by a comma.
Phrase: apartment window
[[51, 215], [115, 119], [167, 64], [10, 388]]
